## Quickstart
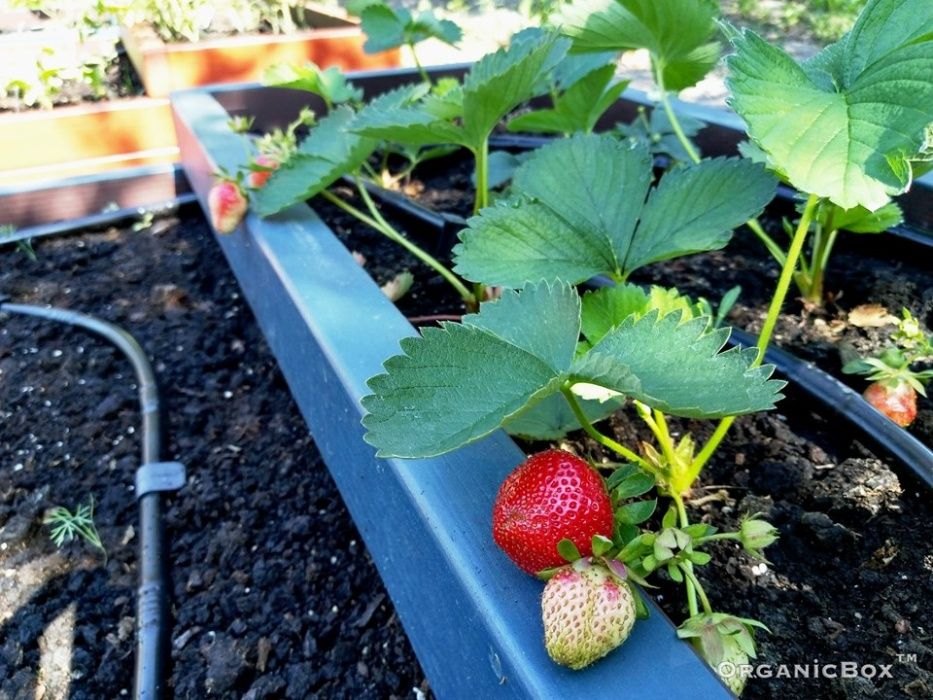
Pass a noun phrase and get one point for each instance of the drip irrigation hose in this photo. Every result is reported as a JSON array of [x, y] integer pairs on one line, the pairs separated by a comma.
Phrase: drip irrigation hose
[[153, 479]]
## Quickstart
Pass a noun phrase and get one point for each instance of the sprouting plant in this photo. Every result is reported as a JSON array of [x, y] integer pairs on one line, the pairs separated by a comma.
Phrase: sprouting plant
[[23, 245], [893, 372], [656, 133], [67, 525], [844, 127], [466, 115], [387, 28]]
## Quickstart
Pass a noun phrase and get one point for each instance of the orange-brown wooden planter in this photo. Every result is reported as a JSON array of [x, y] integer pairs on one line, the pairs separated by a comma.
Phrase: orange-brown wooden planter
[[335, 41], [90, 138]]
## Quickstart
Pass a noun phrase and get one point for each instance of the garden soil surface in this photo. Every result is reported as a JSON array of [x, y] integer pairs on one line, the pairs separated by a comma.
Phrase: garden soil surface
[[274, 593], [851, 577]]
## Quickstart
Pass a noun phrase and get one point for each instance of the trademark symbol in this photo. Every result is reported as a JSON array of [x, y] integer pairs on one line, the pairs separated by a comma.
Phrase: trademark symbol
[[907, 658]]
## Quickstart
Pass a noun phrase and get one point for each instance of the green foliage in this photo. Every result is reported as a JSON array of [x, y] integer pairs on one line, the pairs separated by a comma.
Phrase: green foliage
[[497, 84], [678, 34], [331, 84], [587, 210], [388, 28], [577, 109], [552, 418], [67, 525], [656, 133], [845, 124], [460, 382], [329, 152]]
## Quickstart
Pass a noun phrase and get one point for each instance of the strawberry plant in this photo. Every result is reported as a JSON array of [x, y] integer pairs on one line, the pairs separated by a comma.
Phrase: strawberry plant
[[846, 127], [465, 115], [895, 378], [388, 27], [333, 150]]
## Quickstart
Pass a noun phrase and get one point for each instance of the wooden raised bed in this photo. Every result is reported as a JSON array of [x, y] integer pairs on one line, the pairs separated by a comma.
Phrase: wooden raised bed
[[83, 139], [334, 41]]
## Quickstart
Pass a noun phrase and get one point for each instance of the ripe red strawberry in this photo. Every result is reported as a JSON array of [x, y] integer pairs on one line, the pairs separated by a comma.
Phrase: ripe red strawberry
[[552, 496], [258, 178], [227, 204], [587, 612], [898, 401]]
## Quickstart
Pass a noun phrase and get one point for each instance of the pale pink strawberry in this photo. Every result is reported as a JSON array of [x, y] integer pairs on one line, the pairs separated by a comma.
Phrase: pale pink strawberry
[[227, 204], [258, 178], [587, 612]]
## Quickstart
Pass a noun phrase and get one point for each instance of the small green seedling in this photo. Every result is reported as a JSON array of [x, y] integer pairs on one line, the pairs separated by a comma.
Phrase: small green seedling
[[66, 526]]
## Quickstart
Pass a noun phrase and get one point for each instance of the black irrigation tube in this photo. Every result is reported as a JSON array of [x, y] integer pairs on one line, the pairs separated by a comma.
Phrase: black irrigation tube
[[153, 479]]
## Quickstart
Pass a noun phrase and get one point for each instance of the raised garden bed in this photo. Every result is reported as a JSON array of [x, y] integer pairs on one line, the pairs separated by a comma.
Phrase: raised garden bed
[[84, 139], [819, 499], [321, 312], [163, 67]]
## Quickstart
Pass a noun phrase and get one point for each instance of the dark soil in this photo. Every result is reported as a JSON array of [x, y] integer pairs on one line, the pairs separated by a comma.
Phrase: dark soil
[[274, 593]]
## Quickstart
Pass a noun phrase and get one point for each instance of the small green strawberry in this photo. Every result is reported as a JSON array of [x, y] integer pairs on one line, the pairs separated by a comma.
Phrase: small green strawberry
[[587, 611]]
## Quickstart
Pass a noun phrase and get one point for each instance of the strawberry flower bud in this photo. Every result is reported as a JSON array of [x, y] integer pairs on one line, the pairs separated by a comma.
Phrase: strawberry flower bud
[[755, 535]]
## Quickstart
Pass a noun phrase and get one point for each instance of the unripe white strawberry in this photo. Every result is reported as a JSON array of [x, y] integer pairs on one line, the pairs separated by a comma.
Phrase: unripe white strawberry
[[587, 612]]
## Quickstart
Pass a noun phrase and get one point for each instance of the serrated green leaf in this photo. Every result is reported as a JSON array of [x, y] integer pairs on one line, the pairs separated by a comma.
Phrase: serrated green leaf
[[845, 124], [330, 84], [588, 193], [684, 363], [637, 512], [508, 246], [460, 382], [501, 81], [636, 485], [606, 308], [552, 417], [407, 125], [329, 151], [568, 550], [388, 28], [860, 220], [575, 110], [678, 34]]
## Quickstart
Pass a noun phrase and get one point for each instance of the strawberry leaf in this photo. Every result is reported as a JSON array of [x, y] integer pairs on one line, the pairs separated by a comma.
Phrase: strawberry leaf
[[637, 512], [329, 151], [576, 109], [331, 84], [459, 382], [388, 28], [678, 34], [574, 224], [552, 418], [845, 124]]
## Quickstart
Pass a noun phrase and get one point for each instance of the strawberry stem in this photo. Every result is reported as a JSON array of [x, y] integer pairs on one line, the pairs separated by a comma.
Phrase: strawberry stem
[[764, 338], [595, 434]]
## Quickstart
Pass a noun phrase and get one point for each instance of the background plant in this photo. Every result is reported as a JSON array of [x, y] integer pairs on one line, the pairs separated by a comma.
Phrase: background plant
[[387, 28]]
